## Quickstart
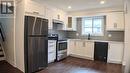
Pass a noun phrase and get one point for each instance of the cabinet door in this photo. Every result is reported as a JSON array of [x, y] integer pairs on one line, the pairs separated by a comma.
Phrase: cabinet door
[[90, 50], [71, 47], [79, 48], [51, 57], [115, 21], [33, 7], [69, 22], [49, 16], [115, 52], [51, 46], [56, 14], [76, 50], [85, 49], [71, 25]]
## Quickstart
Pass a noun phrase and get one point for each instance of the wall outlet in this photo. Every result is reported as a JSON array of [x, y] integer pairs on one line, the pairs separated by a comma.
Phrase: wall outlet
[[77, 34], [109, 35]]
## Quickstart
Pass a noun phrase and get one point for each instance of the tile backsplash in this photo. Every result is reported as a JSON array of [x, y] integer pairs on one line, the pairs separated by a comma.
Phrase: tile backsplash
[[62, 35], [108, 35], [115, 36]]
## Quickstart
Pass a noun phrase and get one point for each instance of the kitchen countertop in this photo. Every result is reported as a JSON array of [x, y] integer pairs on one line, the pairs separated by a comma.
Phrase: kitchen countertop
[[96, 40]]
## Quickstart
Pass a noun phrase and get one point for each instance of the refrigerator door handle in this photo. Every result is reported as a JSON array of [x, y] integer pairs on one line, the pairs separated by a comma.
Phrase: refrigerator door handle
[[34, 25]]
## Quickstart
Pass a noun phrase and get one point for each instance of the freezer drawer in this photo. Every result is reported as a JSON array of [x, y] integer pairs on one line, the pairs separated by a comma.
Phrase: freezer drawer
[[37, 53]]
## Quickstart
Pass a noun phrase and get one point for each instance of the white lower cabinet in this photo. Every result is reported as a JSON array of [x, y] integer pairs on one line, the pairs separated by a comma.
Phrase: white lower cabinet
[[90, 50], [85, 49], [51, 50], [71, 47], [115, 52], [51, 57], [82, 49]]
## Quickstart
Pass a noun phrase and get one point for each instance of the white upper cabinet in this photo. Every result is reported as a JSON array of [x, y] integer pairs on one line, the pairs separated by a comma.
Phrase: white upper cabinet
[[71, 23], [115, 21], [58, 14], [38, 9], [115, 52], [54, 13], [35, 8], [49, 16]]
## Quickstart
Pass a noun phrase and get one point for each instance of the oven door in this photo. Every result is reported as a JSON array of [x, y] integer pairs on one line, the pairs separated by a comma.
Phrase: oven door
[[62, 45]]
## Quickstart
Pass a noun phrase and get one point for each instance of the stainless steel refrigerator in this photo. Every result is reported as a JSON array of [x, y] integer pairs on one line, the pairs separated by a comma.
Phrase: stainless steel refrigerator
[[36, 43]]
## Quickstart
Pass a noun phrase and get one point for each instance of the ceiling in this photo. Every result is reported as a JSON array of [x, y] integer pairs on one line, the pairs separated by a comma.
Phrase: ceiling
[[78, 5]]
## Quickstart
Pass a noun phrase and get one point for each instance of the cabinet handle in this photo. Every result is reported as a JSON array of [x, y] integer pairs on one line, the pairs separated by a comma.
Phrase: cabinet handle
[[58, 16], [84, 44], [104, 57], [51, 42], [75, 43], [115, 25], [35, 12], [51, 52], [51, 45]]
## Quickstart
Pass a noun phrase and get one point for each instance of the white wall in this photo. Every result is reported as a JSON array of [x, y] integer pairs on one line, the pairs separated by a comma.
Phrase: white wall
[[127, 39], [19, 35], [7, 21], [8, 25], [14, 32]]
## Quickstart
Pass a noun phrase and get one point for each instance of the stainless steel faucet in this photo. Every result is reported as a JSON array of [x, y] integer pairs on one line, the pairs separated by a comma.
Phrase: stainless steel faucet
[[89, 36]]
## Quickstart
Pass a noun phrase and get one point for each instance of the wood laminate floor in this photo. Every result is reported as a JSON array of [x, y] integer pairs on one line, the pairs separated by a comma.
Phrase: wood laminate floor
[[7, 68], [76, 65], [70, 65]]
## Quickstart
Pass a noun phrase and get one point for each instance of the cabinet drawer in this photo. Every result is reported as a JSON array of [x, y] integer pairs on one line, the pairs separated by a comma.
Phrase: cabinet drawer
[[51, 45], [51, 42], [52, 48], [51, 57]]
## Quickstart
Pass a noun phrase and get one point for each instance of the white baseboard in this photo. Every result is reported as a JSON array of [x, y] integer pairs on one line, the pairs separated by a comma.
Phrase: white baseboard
[[2, 58], [11, 62], [123, 63], [88, 58], [115, 62]]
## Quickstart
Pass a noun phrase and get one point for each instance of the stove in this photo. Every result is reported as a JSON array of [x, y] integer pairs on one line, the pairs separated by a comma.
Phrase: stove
[[61, 49]]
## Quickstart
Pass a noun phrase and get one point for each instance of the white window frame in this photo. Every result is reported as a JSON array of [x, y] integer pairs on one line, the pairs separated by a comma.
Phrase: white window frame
[[93, 34]]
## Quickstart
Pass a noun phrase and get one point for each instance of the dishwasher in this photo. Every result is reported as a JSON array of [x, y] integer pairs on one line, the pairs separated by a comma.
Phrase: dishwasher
[[101, 51]]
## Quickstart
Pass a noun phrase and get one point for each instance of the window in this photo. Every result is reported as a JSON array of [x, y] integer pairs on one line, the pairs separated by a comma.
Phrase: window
[[93, 26]]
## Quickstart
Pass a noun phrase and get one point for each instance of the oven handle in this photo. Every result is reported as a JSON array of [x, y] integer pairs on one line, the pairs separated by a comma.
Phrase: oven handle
[[62, 42]]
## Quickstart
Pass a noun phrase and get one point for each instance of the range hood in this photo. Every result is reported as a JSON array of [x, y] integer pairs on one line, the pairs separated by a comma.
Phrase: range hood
[[58, 25], [57, 21]]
